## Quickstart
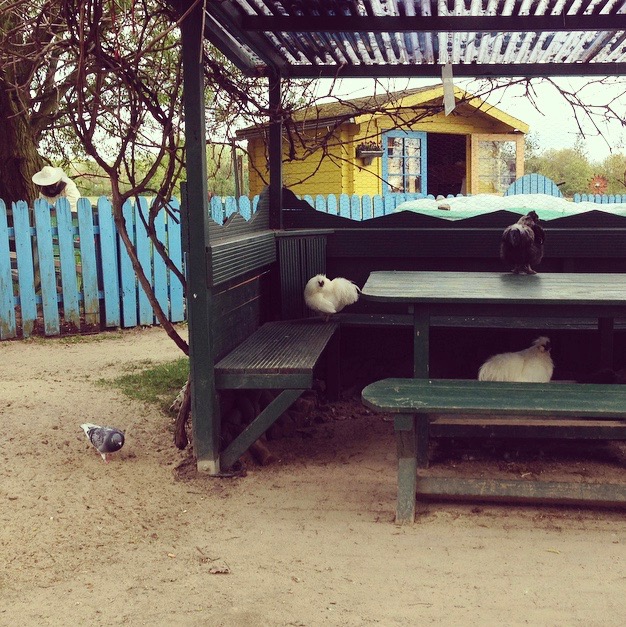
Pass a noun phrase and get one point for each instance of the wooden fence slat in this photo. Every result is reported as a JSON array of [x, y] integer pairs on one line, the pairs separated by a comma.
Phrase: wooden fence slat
[[344, 205], [89, 265], [331, 205], [8, 326], [175, 251], [67, 258], [146, 315], [158, 264], [230, 206], [108, 251], [367, 211], [47, 274], [128, 278], [245, 208], [25, 268]]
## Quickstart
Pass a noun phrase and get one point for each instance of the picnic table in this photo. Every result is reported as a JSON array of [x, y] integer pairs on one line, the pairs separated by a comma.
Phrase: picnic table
[[596, 297], [446, 408]]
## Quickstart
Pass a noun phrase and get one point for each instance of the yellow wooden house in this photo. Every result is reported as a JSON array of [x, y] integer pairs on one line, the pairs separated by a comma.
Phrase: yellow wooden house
[[394, 142]]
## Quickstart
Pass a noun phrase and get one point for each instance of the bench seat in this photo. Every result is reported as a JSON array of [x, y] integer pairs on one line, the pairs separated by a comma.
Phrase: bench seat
[[282, 356], [277, 355], [424, 407]]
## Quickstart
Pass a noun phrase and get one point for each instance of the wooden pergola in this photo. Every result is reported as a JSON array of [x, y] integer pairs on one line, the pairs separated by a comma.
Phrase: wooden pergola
[[361, 38]]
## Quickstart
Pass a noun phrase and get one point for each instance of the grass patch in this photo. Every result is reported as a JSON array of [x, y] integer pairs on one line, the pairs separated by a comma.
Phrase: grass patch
[[158, 384]]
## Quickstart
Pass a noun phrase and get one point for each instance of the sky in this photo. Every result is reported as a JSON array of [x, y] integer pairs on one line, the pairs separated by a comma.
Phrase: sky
[[550, 117]]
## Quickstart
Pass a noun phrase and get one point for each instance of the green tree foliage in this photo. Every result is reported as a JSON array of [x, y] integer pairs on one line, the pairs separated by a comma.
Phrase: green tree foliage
[[613, 168], [568, 167]]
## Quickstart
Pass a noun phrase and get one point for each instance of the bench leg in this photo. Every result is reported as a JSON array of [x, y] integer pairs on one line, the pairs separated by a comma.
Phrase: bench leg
[[422, 437], [333, 367], [404, 426]]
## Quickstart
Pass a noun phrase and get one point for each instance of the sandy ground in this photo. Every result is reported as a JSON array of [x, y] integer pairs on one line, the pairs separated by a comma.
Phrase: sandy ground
[[307, 541]]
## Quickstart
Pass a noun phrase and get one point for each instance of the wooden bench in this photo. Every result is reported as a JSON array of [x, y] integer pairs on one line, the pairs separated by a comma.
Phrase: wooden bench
[[278, 355], [425, 407]]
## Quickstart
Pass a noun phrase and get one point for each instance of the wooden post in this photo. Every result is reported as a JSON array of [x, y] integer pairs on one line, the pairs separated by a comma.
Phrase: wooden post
[[421, 343], [275, 153], [404, 426], [204, 403]]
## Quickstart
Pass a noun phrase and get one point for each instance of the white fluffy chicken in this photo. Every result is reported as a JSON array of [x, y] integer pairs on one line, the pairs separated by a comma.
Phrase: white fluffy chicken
[[532, 364], [326, 296]]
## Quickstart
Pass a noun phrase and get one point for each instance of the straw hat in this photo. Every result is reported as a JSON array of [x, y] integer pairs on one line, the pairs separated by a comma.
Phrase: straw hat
[[48, 176]]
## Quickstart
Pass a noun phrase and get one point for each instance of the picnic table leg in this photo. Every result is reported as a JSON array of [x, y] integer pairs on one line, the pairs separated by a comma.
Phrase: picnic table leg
[[421, 332], [404, 426], [422, 439], [605, 327]]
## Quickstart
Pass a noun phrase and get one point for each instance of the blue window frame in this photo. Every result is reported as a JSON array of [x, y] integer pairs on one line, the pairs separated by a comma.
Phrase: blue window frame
[[404, 162]]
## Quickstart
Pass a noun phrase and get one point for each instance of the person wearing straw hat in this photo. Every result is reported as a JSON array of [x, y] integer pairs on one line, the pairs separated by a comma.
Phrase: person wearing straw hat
[[54, 184]]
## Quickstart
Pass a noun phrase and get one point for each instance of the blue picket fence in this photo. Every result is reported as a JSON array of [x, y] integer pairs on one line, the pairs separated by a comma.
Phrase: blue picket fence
[[65, 270], [73, 270], [357, 207]]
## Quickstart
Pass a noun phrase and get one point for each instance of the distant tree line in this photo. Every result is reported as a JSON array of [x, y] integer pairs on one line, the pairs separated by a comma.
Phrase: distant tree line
[[573, 171]]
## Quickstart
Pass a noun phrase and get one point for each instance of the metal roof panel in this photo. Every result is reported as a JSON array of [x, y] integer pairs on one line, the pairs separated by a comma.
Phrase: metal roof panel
[[309, 38]]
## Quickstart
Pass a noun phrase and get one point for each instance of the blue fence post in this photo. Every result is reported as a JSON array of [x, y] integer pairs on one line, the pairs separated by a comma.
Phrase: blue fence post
[[175, 251], [47, 274], [142, 245], [7, 306], [67, 259], [108, 250], [88, 261], [128, 278], [158, 265]]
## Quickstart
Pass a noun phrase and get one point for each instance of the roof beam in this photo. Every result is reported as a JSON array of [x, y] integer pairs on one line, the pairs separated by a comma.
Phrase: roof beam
[[432, 24], [475, 70]]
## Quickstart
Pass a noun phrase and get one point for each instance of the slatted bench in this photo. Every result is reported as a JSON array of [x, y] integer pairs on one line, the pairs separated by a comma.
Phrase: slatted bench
[[442, 407], [278, 355]]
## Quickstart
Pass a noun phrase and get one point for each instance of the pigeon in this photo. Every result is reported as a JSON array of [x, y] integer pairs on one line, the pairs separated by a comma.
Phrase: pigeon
[[521, 246], [105, 439], [326, 296]]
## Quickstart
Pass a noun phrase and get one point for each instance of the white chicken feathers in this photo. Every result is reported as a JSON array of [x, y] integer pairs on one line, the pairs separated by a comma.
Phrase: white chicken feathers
[[328, 296], [533, 364]]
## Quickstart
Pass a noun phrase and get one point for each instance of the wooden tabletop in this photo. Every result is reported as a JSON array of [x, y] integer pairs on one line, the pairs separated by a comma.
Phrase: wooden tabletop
[[496, 288]]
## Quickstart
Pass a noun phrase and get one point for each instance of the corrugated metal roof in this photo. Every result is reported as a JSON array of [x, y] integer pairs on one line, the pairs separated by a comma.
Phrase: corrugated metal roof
[[316, 38]]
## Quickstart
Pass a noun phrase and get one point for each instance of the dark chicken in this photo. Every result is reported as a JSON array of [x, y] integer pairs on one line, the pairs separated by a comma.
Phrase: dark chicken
[[521, 246]]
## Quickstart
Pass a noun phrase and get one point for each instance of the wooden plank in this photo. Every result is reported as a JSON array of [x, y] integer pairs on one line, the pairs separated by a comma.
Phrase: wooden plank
[[489, 322], [446, 396], [67, 257], [280, 347], [158, 265], [520, 491], [108, 252], [531, 427], [175, 251], [89, 265], [25, 269], [231, 258], [47, 271], [8, 326], [146, 315], [128, 278]]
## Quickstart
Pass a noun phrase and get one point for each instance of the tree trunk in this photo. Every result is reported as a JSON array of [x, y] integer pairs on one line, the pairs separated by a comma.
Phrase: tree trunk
[[19, 158]]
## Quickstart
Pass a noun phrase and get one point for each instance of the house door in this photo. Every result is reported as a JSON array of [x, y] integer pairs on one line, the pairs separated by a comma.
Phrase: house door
[[404, 162]]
